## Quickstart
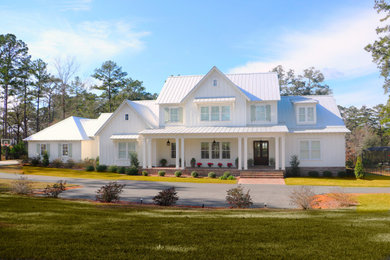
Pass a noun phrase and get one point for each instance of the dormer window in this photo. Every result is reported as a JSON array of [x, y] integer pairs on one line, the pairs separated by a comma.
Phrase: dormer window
[[261, 113], [126, 116], [173, 115], [306, 115], [215, 113], [215, 83]]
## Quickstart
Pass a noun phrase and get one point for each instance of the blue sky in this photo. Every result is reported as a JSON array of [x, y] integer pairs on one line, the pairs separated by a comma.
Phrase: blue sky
[[154, 39]]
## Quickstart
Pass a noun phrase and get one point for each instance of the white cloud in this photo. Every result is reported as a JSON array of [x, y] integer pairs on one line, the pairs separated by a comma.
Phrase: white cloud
[[75, 5], [337, 49]]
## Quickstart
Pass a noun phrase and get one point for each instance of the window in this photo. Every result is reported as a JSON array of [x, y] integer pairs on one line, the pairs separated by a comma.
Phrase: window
[[215, 82], [306, 115], [43, 149], [261, 113], [215, 113], [204, 150], [204, 114], [173, 150], [122, 150], [310, 150], [125, 149], [126, 116], [226, 150], [215, 150], [65, 150], [173, 115]]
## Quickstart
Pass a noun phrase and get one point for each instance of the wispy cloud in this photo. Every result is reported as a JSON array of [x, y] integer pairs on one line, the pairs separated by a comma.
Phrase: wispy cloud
[[337, 49], [74, 5]]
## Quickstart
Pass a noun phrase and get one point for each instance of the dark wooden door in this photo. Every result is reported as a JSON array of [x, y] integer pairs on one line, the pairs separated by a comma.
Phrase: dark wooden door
[[260, 152]]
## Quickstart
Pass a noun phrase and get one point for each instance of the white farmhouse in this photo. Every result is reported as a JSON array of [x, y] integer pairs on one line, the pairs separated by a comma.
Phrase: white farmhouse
[[237, 119]]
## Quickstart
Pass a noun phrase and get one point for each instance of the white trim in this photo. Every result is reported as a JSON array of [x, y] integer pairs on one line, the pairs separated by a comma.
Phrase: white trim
[[245, 153], [277, 153]]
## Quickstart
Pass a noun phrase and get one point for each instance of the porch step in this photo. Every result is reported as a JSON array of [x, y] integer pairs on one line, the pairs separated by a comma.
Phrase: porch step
[[262, 174]]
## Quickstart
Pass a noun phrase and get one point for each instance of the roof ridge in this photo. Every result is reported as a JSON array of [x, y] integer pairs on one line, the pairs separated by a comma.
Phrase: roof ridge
[[202, 75]]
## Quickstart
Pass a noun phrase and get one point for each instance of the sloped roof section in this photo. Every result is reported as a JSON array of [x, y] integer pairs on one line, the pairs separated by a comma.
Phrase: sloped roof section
[[69, 129], [147, 109], [329, 119], [92, 125], [256, 86]]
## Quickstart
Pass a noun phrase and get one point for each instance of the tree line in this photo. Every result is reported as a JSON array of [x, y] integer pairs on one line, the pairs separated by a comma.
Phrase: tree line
[[33, 98]]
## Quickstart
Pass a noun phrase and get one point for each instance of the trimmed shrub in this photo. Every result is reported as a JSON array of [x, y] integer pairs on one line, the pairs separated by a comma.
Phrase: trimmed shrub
[[236, 198], [177, 173], [52, 191], [350, 173], [101, 168], [22, 186], [341, 174], [134, 159], [294, 164], [194, 174], [132, 170], [193, 162], [121, 170], [163, 162], [70, 164], [359, 171], [167, 197], [90, 168], [313, 174], [161, 173], [302, 197], [327, 174], [227, 174], [231, 177], [113, 168], [57, 163], [223, 178], [212, 175], [109, 192], [145, 173], [45, 160]]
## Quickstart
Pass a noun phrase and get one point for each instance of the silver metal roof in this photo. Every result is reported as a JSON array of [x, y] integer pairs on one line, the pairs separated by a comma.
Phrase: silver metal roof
[[214, 99], [124, 136]]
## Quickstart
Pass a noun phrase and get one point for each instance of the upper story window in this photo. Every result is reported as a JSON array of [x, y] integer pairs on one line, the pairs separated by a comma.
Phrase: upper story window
[[173, 114], [306, 115], [261, 113], [215, 83], [126, 116], [215, 113]]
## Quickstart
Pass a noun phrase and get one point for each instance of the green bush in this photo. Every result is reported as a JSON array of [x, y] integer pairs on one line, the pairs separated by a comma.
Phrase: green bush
[[113, 168], [177, 173], [101, 168], [145, 173], [350, 173], [132, 170], [327, 174], [223, 178], [294, 166], [121, 170], [212, 175], [238, 199], [134, 159], [227, 174], [90, 168], [167, 197], [57, 163], [341, 174], [45, 160], [70, 164], [359, 171], [313, 174], [231, 177], [161, 173], [163, 162], [35, 161], [194, 174]]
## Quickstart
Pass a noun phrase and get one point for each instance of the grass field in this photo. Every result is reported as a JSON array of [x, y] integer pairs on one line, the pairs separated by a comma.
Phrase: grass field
[[374, 202], [6, 184], [371, 180], [32, 227]]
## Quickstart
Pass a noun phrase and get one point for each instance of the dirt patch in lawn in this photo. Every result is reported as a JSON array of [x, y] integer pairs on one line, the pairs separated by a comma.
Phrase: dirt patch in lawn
[[334, 200]]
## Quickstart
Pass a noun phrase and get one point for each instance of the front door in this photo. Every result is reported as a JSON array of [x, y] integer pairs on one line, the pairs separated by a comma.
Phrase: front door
[[260, 152]]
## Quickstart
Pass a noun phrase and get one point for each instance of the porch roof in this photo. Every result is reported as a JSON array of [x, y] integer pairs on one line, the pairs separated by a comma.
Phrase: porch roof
[[216, 130], [214, 99], [123, 136]]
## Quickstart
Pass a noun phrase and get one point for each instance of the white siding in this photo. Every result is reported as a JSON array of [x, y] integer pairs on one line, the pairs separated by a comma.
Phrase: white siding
[[76, 150], [90, 149]]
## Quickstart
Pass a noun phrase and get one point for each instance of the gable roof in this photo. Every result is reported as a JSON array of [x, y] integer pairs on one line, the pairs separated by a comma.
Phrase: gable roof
[[91, 126], [254, 86], [69, 129]]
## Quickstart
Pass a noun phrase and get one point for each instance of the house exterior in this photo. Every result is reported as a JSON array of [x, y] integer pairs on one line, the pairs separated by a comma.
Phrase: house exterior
[[237, 119]]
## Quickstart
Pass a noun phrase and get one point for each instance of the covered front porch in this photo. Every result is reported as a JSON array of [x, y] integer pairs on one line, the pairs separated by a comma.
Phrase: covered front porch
[[208, 151]]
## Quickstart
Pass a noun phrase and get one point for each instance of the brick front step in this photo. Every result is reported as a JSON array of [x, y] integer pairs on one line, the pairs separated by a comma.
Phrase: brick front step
[[263, 174]]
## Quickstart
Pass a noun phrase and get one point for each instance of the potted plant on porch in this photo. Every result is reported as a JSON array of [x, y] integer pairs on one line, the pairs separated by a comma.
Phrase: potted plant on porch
[[199, 164], [210, 164], [193, 162], [220, 165]]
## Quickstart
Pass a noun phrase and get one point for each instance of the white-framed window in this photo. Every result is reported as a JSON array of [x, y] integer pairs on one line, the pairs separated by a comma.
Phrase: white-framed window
[[65, 150], [126, 116], [125, 149], [215, 150], [43, 149], [204, 150], [261, 113], [306, 115], [310, 150], [225, 150], [173, 150], [173, 115], [215, 113], [215, 83]]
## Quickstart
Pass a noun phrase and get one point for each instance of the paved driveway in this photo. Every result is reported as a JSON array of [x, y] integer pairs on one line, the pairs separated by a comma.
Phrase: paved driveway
[[195, 194]]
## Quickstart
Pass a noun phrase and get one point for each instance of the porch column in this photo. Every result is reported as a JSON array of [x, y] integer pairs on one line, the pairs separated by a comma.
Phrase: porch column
[[177, 153], [239, 154], [245, 153], [149, 149], [144, 153], [283, 152], [182, 154], [277, 153]]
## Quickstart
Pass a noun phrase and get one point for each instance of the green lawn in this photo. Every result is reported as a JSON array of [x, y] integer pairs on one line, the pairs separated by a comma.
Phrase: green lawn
[[115, 176], [377, 202], [33, 227], [371, 180], [6, 184]]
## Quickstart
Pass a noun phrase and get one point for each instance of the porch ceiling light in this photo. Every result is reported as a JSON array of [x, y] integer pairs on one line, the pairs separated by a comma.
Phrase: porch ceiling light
[[214, 142], [168, 143]]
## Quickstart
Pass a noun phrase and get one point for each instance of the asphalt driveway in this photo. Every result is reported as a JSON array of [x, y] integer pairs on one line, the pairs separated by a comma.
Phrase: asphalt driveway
[[193, 194]]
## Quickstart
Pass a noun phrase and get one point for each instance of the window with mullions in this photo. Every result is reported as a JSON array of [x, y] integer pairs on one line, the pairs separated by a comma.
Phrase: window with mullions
[[204, 150], [173, 150]]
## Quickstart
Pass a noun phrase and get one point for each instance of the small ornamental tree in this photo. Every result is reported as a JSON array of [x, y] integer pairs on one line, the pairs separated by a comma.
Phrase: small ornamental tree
[[109, 192], [238, 199], [294, 164], [52, 191], [167, 197], [359, 171], [45, 160]]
